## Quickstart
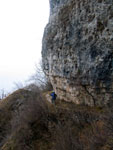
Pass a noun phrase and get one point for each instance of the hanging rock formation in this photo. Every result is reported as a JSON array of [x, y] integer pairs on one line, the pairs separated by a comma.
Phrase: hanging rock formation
[[77, 51]]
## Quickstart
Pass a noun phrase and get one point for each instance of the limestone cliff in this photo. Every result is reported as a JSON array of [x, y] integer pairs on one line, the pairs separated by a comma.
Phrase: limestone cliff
[[77, 50]]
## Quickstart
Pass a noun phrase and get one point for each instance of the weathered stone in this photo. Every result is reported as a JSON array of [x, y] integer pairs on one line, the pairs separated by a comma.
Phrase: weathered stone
[[77, 50]]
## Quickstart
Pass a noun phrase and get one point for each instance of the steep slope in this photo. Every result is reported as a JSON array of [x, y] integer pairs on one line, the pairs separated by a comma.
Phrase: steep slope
[[29, 122], [77, 50], [23, 119]]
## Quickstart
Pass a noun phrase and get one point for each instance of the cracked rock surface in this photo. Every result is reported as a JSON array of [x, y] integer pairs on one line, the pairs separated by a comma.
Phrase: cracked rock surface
[[77, 51]]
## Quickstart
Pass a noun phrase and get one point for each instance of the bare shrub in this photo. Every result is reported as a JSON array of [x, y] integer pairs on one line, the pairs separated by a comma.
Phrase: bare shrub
[[30, 123], [33, 87], [35, 109], [67, 138], [39, 79], [108, 119], [2, 94], [18, 85], [95, 136]]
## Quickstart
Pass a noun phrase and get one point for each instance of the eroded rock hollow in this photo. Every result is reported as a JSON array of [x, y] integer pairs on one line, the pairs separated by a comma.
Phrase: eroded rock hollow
[[77, 51]]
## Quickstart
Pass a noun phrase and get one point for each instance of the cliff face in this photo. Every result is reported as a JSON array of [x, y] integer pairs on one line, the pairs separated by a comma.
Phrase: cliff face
[[77, 50]]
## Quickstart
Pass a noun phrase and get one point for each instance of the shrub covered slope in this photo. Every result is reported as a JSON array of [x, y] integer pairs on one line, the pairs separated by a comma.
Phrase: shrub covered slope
[[29, 122]]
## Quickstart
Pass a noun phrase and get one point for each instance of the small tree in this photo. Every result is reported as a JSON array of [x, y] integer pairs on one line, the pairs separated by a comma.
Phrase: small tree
[[18, 85], [39, 79], [2, 94]]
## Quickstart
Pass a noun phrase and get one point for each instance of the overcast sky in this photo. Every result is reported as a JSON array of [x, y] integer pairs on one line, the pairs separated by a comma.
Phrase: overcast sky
[[21, 29]]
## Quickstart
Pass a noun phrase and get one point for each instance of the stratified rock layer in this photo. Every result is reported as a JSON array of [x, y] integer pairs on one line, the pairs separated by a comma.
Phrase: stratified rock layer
[[77, 50]]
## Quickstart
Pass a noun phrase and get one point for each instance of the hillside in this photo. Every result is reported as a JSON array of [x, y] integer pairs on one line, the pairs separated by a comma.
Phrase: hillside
[[29, 122], [77, 59]]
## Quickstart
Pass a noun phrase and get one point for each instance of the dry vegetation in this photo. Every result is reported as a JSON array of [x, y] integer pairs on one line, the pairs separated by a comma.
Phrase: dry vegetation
[[28, 122]]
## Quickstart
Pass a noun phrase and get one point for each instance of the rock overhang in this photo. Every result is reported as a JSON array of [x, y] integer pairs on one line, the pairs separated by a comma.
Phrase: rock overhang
[[77, 50]]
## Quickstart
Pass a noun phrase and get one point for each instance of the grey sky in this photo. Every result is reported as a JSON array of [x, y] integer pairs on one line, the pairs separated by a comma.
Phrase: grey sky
[[21, 28]]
